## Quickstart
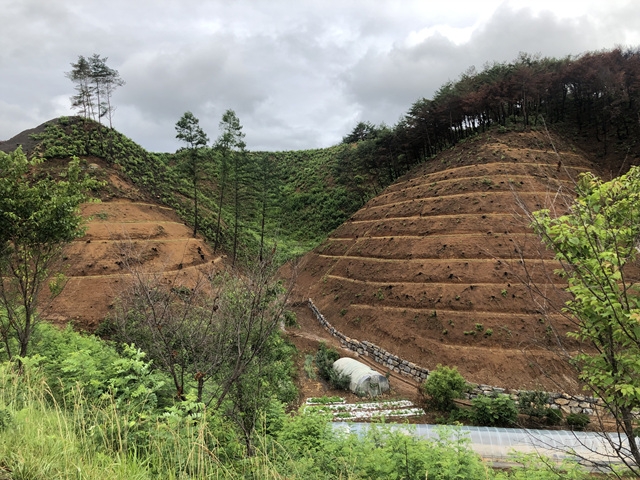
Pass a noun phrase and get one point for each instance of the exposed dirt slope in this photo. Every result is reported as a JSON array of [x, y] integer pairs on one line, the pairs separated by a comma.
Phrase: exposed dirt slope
[[126, 231], [433, 269], [24, 139]]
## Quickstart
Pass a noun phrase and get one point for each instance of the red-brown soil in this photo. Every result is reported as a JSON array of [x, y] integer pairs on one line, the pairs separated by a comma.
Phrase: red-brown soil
[[439, 268], [125, 231], [431, 270]]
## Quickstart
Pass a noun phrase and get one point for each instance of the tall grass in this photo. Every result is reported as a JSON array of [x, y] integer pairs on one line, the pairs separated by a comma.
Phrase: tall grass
[[49, 439], [42, 438]]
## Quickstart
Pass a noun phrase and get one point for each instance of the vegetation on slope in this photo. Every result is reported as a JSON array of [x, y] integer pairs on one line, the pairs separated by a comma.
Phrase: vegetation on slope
[[295, 199], [292, 199], [111, 410], [594, 99], [81, 409]]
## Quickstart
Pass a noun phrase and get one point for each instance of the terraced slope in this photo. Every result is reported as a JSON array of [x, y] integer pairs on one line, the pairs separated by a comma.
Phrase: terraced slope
[[436, 268], [126, 232]]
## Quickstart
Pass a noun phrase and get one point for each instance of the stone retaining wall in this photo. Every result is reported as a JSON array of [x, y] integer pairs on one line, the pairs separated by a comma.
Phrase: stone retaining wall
[[377, 354], [565, 402]]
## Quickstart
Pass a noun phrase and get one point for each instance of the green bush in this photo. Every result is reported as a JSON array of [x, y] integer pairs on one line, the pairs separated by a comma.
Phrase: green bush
[[578, 421], [70, 360], [443, 385], [290, 319], [494, 410], [324, 361], [533, 403], [340, 381], [553, 416]]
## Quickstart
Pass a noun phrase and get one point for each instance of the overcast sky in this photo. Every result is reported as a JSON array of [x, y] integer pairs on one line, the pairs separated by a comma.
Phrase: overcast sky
[[299, 73]]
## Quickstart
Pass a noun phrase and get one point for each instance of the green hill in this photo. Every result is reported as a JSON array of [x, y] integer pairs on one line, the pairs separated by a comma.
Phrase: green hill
[[301, 195]]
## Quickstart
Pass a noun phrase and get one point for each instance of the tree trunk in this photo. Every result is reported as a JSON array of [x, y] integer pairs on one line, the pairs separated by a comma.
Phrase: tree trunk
[[195, 193], [223, 182], [236, 212]]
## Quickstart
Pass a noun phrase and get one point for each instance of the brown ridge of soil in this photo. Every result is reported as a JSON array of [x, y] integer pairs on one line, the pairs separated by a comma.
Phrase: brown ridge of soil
[[126, 231], [438, 269], [24, 139]]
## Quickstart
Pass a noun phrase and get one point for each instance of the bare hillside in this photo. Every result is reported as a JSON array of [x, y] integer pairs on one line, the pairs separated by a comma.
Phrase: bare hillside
[[437, 268], [127, 231]]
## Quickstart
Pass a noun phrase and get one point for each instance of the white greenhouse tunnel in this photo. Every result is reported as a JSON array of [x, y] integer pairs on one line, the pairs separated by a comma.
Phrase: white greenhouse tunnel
[[364, 380]]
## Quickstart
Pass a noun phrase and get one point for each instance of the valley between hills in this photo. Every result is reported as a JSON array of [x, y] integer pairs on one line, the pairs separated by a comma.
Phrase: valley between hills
[[441, 267]]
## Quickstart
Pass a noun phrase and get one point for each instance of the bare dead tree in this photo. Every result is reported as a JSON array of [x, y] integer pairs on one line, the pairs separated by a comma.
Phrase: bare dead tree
[[210, 331]]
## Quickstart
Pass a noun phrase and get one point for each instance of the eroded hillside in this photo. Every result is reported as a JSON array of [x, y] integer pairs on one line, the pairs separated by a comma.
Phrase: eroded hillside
[[127, 234], [439, 267]]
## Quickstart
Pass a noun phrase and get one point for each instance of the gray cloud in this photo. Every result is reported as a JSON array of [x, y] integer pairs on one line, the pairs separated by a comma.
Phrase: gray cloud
[[392, 80], [299, 75]]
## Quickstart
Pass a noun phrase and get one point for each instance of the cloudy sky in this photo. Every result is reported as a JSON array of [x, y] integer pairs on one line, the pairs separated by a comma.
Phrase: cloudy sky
[[299, 73]]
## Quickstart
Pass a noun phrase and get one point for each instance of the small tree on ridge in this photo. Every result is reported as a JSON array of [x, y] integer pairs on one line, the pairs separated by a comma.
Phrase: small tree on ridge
[[189, 131]]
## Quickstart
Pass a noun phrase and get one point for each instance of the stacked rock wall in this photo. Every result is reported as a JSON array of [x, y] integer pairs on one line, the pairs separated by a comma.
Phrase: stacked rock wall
[[376, 353], [566, 403]]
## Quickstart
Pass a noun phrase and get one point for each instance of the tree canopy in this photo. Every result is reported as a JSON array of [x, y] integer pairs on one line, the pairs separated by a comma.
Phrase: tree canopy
[[38, 215], [95, 83], [189, 131], [597, 245]]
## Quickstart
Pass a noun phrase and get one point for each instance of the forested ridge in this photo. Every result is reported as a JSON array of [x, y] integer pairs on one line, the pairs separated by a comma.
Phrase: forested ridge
[[593, 98], [296, 198]]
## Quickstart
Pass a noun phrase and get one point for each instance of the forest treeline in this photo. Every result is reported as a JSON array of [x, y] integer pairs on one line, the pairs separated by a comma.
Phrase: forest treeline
[[295, 198], [594, 97]]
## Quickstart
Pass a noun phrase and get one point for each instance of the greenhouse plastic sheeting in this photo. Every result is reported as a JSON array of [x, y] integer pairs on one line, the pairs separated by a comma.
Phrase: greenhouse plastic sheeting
[[498, 443], [364, 380]]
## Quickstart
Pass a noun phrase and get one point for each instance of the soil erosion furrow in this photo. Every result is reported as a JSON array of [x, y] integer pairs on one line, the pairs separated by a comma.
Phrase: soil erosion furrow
[[455, 170], [435, 217], [134, 240], [161, 272], [427, 282], [422, 260], [480, 178], [478, 313], [436, 196], [444, 236]]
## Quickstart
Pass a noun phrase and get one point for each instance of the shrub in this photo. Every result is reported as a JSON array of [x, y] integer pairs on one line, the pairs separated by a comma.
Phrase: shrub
[[290, 319], [308, 367], [324, 361], [553, 416], [533, 403], [494, 410], [443, 385], [578, 421], [340, 381], [70, 360]]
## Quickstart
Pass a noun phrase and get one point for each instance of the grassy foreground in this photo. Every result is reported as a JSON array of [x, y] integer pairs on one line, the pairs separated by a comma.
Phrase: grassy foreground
[[42, 437]]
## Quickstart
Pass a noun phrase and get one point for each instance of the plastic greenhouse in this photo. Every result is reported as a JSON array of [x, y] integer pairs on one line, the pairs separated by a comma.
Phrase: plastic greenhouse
[[498, 444], [364, 380]]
